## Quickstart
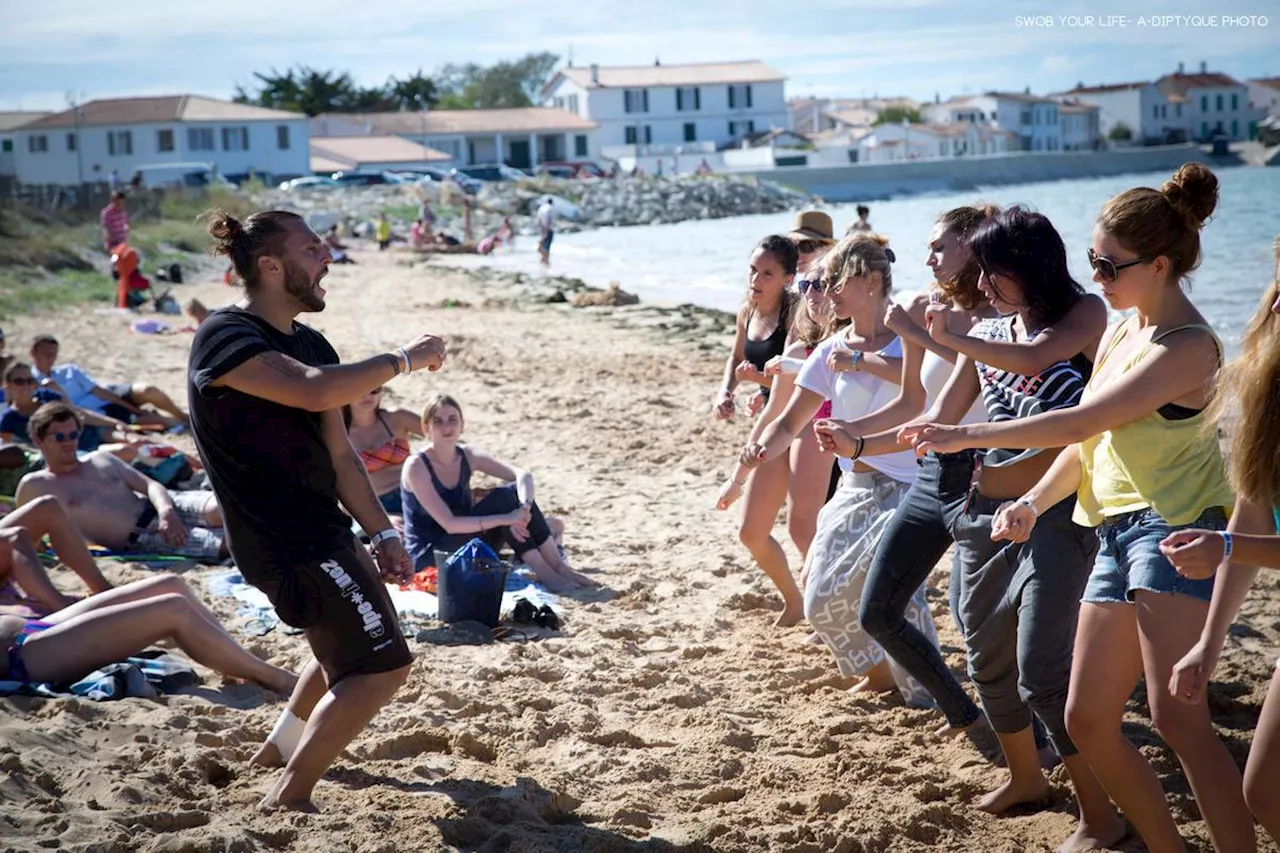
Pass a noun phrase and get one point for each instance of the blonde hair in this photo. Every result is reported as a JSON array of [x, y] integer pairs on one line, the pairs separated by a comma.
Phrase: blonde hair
[[859, 254], [435, 404], [1246, 404], [1165, 222]]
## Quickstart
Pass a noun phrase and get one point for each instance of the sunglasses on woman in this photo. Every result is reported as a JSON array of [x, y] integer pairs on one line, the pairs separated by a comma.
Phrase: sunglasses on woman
[[1109, 269], [807, 284]]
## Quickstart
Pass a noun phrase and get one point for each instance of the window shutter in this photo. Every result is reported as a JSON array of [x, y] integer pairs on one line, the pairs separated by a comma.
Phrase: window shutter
[[748, 90], [697, 98], [731, 100], [648, 135], [679, 100], [646, 100]]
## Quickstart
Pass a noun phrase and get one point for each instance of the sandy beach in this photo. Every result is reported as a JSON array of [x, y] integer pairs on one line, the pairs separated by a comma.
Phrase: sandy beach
[[667, 716]]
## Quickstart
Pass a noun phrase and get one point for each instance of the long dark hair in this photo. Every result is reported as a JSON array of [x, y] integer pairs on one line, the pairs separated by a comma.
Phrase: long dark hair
[[243, 243], [1024, 245], [962, 289]]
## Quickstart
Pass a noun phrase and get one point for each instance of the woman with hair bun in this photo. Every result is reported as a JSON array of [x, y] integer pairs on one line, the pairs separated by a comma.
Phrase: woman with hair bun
[[1141, 466]]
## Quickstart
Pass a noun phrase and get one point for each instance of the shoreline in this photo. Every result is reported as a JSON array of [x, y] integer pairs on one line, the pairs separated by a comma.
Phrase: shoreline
[[668, 715]]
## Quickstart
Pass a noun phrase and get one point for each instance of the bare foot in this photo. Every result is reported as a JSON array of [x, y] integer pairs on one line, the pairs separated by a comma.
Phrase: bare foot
[[284, 684], [270, 804], [1093, 837], [789, 617], [1033, 789], [577, 577], [268, 755]]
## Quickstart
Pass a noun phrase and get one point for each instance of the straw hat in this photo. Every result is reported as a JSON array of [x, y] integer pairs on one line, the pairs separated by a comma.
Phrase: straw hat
[[812, 225]]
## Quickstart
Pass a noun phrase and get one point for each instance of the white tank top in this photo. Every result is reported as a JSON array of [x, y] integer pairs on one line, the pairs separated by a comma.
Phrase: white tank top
[[935, 371]]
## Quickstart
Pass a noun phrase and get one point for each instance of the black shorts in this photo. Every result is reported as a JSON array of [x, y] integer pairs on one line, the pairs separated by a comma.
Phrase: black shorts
[[124, 391], [345, 610], [544, 245]]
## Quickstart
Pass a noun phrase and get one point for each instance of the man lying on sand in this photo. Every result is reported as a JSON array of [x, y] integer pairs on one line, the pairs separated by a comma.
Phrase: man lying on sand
[[113, 504], [24, 585], [280, 484], [123, 401]]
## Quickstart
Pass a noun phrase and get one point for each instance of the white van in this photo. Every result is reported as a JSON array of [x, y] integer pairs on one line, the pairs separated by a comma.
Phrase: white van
[[181, 175]]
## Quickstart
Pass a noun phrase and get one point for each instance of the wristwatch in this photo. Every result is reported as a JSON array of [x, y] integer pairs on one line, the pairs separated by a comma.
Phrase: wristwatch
[[857, 359]]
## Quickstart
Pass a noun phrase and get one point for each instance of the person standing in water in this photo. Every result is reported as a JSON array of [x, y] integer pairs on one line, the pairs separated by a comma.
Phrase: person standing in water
[[266, 397]]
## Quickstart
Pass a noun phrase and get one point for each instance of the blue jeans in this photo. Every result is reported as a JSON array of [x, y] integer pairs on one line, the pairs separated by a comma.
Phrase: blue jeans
[[1130, 558], [912, 544]]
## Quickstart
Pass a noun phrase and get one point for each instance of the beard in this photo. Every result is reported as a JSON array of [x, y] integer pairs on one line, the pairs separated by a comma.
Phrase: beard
[[302, 287]]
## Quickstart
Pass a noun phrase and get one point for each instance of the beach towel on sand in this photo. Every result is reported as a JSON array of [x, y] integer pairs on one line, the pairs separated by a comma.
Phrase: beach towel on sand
[[147, 675]]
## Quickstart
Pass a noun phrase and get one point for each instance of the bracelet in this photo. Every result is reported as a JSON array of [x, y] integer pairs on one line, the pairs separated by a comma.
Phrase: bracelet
[[862, 443], [408, 365], [857, 359], [395, 364], [1228, 544], [378, 538], [1029, 504]]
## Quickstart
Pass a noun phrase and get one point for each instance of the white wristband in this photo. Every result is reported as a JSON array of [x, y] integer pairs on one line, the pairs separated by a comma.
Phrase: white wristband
[[408, 365], [1228, 545], [378, 538]]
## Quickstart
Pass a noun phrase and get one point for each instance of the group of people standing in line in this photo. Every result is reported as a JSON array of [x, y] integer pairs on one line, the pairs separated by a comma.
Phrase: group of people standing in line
[[1075, 466]]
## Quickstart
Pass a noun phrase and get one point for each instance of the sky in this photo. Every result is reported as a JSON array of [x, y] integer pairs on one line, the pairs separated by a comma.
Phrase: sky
[[918, 48]]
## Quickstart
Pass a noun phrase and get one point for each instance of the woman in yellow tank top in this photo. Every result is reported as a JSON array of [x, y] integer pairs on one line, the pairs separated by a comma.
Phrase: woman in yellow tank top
[[1142, 466], [1248, 391]]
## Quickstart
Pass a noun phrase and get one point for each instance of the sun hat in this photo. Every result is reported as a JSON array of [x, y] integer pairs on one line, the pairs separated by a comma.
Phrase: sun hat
[[812, 225]]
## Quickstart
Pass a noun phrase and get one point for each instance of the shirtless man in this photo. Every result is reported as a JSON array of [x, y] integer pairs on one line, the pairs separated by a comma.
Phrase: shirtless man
[[113, 504], [122, 402]]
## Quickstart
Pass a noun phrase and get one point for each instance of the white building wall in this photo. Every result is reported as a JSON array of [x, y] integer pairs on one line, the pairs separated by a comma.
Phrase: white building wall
[[1211, 107], [94, 160], [666, 124], [1265, 98]]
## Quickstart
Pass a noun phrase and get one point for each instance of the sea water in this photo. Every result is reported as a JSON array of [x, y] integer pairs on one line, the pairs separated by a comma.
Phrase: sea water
[[705, 261]]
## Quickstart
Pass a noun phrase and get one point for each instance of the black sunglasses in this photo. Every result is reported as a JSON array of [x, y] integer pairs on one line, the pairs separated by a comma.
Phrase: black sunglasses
[[66, 436], [807, 284], [22, 380], [1109, 269]]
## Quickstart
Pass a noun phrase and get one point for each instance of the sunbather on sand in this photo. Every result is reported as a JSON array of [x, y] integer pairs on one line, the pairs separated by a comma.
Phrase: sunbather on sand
[[24, 584], [120, 622], [441, 514], [113, 504]]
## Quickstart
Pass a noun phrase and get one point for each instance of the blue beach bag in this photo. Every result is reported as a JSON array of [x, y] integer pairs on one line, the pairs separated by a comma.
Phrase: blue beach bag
[[469, 584]]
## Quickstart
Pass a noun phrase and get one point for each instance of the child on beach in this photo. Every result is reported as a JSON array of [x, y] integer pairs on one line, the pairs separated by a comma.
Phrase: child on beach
[[1141, 465], [809, 472], [1245, 404], [440, 513]]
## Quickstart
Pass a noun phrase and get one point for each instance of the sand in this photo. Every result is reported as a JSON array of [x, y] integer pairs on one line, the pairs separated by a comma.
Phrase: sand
[[669, 715]]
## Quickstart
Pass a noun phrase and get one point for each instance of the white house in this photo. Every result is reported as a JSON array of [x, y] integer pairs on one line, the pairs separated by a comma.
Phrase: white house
[[1034, 120], [1151, 116], [672, 108], [1080, 126], [1264, 95], [9, 122], [522, 137], [815, 115], [1216, 103], [87, 143], [391, 153], [893, 142]]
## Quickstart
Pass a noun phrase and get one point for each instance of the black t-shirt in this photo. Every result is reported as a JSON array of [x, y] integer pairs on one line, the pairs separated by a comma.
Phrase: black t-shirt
[[268, 463]]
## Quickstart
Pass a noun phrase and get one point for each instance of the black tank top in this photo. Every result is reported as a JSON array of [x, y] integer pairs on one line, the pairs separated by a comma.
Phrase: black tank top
[[759, 352]]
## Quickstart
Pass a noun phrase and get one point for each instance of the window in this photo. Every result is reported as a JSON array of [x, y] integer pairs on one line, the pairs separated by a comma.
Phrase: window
[[688, 99], [1235, 102], [740, 97], [635, 100], [200, 138], [690, 132], [71, 142], [631, 135], [1204, 130], [235, 139], [282, 137], [1177, 110], [573, 104], [1219, 100], [164, 140], [580, 145], [1204, 103], [38, 144], [648, 135], [1235, 129], [120, 143], [6, 146], [741, 128]]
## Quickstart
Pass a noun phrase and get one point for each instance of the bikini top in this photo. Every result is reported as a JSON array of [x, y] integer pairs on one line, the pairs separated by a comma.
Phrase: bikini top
[[759, 352], [391, 452]]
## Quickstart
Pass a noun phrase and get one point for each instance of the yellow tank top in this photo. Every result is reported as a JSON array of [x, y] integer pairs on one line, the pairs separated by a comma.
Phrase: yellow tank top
[[1171, 466]]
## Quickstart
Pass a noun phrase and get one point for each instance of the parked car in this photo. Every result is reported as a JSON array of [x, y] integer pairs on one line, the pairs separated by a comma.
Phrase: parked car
[[308, 182], [364, 179], [494, 172], [572, 169]]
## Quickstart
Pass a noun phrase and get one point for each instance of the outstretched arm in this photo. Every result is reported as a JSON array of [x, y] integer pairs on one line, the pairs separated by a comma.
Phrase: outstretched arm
[[1077, 332]]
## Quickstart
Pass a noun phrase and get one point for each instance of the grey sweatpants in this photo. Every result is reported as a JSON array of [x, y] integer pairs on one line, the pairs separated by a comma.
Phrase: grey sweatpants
[[1018, 606]]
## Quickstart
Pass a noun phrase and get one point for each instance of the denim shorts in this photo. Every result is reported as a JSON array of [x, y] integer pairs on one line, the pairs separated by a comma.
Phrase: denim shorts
[[1130, 558]]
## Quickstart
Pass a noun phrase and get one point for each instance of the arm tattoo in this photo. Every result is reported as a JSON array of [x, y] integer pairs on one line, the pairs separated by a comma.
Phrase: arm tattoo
[[284, 365]]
